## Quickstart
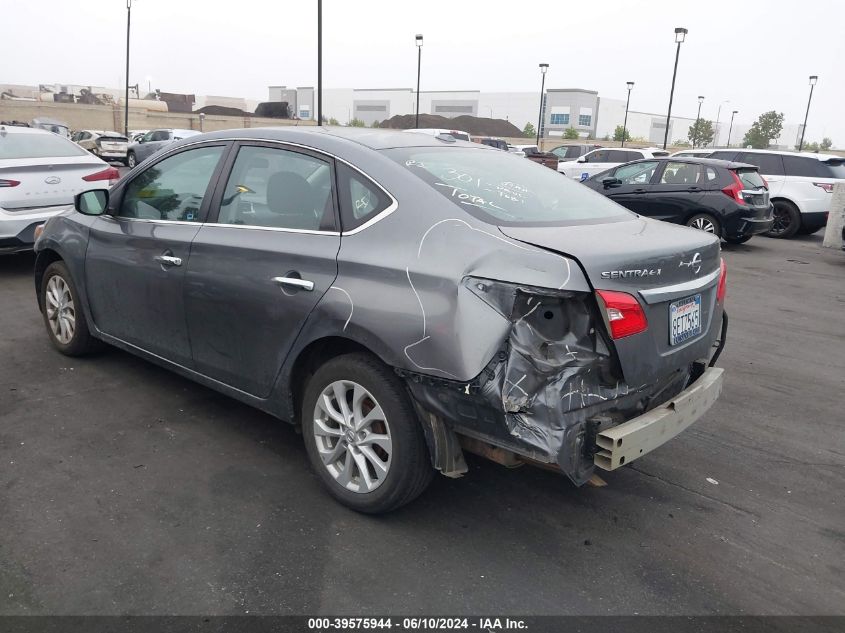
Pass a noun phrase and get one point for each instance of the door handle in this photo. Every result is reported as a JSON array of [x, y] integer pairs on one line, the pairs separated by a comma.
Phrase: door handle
[[295, 282], [693, 189], [168, 260]]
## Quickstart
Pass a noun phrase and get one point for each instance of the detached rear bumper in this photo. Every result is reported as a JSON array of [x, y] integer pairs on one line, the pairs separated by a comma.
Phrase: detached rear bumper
[[626, 442]]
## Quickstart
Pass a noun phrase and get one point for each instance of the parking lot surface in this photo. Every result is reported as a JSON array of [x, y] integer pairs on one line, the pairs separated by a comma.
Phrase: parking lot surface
[[127, 489]]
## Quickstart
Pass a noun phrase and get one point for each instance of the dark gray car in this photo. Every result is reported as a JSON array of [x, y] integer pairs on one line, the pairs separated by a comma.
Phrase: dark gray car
[[153, 141], [403, 298]]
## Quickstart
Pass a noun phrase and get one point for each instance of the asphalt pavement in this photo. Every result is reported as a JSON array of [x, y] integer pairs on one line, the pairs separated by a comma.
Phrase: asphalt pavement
[[125, 489]]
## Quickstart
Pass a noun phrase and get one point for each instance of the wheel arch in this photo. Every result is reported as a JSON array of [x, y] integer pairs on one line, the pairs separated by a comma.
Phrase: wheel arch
[[44, 258]]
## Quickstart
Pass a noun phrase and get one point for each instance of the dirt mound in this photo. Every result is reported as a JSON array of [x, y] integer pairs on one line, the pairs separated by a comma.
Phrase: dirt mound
[[221, 110], [476, 126]]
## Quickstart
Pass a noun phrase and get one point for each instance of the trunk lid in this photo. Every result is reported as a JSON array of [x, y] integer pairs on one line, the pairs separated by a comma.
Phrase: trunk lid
[[659, 264], [46, 182]]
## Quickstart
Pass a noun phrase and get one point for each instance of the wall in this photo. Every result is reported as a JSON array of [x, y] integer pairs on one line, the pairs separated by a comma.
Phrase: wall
[[91, 117]]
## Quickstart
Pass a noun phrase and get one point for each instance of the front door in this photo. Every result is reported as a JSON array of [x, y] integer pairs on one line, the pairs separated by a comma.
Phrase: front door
[[261, 263], [137, 255], [636, 185]]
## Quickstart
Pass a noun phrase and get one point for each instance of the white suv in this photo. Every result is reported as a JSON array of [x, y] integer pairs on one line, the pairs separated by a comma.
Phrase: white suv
[[598, 160], [800, 185]]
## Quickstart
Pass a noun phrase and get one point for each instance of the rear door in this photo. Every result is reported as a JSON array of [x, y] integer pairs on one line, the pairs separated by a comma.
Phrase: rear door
[[678, 189], [261, 263], [137, 255]]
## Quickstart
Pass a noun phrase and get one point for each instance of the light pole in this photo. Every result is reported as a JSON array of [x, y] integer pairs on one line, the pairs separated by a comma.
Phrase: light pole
[[149, 84], [730, 129], [319, 62], [697, 119], [813, 80], [419, 40], [627, 103], [126, 94], [543, 69], [716, 131], [680, 34], [202, 120]]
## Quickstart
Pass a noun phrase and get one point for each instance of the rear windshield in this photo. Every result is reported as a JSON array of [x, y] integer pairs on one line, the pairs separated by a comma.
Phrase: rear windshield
[[459, 135], [504, 189], [48, 145], [750, 178]]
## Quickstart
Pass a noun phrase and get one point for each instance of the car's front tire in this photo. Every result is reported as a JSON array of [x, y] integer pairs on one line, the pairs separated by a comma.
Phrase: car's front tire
[[63, 313], [131, 161], [787, 220], [362, 436]]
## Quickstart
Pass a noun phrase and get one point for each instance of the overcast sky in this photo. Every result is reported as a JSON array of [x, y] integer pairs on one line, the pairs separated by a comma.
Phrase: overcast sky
[[757, 54]]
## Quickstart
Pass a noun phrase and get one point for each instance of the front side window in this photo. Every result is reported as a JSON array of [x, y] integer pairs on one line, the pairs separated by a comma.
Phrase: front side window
[[559, 119], [278, 188], [599, 156], [172, 189], [636, 174], [160, 135], [585, 119], [506, 190], [680, 174]]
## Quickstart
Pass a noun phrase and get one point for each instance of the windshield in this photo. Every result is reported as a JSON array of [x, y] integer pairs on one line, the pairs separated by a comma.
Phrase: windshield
[[504, 189], [27, 145]]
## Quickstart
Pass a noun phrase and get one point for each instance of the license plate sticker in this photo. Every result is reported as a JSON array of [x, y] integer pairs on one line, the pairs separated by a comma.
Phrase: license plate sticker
[[684, 319]]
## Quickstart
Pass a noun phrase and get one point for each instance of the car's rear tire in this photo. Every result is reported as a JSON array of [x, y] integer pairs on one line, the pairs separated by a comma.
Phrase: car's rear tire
[[787, 220], [131, 161], [705, 222], [64, 316], [738, 240], [363, 438]]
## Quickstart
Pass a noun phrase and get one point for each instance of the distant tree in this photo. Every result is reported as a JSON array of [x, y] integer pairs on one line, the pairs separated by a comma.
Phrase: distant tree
[[700, 133], [606, 137], [374, 124], [571, 133], [357, 123], [826, 144], [529, 131], [809, 147], [333, 121], [767, 126], [619, 131], [681, 142]]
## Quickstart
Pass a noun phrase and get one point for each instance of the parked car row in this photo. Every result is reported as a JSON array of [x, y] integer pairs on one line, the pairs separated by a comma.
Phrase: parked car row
[[105, 144]]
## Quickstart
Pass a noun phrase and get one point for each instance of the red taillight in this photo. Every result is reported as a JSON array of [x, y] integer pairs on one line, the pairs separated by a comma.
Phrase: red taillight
[[111, 174], [827, 186], [8, 183], [734, 190], [624, 313], [722, 288]]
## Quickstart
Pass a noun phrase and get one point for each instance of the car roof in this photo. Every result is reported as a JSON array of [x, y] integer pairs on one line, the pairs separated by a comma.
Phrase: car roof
[[783, 153], [373, 138], [695, 160]]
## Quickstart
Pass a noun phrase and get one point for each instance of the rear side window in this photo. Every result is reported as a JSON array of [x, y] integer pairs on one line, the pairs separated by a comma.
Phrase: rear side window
[[724, 155], [618, 156], [769, 164], [711, 174], [633, 156], [680, 174], [750, 178], [810, 167], [46, 145], [360, 198]]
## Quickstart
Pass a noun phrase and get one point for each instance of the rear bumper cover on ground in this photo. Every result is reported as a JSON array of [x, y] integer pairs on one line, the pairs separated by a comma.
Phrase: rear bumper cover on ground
[[630, 440]]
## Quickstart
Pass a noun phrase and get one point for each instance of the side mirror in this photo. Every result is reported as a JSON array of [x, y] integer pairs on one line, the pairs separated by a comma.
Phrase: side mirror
[[581, 159], [610, 181], [93, 202]]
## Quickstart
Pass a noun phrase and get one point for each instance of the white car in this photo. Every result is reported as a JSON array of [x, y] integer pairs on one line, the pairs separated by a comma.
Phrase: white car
[[107, 145], [599, 160], [800, 185], [40, 173]]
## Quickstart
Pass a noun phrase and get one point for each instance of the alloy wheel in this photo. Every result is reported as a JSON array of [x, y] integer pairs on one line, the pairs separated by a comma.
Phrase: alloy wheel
[[352, 436], [781, 222], [61, 313], [703, 224]]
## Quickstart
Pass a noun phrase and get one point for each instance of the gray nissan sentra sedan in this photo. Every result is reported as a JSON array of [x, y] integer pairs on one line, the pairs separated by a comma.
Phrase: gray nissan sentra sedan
[[405, 298]]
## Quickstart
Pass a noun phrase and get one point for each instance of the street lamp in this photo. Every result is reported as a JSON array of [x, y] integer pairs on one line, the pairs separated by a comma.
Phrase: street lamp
[[718, 115], [202, 120], [680, 35], [730, 129], [126, 94], [697, 119], [419, 40], [813, 80], [627, 103], [543, 69]]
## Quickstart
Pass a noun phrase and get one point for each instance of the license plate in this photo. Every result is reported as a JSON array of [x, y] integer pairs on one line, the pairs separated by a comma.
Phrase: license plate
[[684, 319]]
